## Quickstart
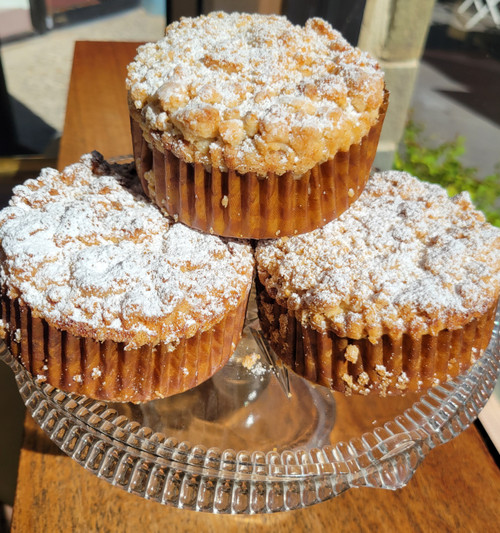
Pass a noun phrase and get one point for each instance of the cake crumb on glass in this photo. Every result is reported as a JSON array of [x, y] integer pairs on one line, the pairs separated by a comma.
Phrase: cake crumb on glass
[[252, 363]]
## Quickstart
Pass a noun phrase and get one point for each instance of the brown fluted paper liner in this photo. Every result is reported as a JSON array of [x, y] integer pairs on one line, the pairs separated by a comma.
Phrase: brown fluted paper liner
[[105, 370], [390, 366], [246, 205]]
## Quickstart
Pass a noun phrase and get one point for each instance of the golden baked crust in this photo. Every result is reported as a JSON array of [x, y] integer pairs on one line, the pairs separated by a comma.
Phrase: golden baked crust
[[254, 93], [403, 259], [86, 251]]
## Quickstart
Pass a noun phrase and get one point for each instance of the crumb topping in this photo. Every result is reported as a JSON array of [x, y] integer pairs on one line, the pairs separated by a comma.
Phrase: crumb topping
[[404, 258], [352, 353], [86, 251], [254, 93]]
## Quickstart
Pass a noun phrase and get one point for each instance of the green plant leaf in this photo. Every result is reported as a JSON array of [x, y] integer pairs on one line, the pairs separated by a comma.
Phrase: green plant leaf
[[442, 165]]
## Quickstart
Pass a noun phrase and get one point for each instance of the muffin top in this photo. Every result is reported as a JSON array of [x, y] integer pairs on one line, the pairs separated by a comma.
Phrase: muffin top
[[86, 251], [404, 258], [254, 93]]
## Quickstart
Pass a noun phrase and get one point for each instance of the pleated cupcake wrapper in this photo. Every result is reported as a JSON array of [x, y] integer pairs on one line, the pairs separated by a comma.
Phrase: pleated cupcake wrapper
[[105, 370], [390, 366], [249, 206]]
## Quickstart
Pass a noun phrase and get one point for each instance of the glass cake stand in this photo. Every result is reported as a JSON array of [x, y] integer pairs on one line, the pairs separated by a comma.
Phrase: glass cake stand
[[255, 439]]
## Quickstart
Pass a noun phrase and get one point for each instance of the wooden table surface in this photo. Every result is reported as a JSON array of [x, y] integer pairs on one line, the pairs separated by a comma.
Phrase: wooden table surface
[[456, 488]]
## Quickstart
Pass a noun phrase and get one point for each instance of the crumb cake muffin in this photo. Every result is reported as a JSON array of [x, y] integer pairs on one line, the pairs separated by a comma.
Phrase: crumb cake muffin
[[103, 296], [248, 126], [397, 294]]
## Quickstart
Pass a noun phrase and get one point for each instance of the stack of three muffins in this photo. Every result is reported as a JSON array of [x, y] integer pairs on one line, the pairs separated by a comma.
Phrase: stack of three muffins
[[246, 127]]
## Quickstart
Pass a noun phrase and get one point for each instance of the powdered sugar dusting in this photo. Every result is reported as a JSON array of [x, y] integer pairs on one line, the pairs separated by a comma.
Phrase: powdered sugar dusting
[[87, 252], [403, 258], [254, 92]]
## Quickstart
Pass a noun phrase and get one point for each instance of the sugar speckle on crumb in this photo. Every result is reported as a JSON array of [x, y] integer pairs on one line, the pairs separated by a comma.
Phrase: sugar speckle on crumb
[[363, 379], [347, 378], [402, 381], [382, 371]]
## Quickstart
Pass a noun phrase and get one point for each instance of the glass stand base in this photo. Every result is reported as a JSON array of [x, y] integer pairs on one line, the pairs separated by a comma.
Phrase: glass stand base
[[254, 439], [251, 404], [242, 407]]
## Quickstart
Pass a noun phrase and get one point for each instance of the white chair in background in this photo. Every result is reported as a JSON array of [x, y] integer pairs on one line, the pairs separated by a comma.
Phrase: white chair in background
[[483, 8]]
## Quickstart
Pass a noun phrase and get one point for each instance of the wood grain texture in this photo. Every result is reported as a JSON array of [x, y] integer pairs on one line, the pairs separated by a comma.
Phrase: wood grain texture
[[97, 115], [456, 489]]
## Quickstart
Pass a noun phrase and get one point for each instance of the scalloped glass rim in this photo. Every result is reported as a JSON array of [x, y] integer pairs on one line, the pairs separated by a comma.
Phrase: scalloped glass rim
[[160, 468]]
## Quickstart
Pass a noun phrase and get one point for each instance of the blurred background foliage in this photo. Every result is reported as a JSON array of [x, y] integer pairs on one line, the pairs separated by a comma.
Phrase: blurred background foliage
[[441, 164]]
